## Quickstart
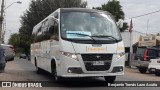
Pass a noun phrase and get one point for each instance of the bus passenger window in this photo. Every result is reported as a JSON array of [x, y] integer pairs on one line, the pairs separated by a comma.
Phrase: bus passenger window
[[55, 34], [51, 29], [56, 28]]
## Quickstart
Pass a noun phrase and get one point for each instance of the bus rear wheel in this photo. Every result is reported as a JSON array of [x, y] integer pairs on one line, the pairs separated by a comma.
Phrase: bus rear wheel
[[38, 70], [110, 79]]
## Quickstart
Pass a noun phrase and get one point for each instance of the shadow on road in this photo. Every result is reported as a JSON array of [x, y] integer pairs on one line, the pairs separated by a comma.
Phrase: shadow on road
[[74, 82]]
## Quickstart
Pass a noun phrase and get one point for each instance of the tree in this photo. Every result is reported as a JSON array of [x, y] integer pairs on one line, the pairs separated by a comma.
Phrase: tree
[[38, 10], [115, 9], [16, 42], [14, 39]]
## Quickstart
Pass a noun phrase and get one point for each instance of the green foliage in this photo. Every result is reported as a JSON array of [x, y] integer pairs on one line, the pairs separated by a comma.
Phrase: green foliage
[[38, 10], [16, 41], [115, 9]]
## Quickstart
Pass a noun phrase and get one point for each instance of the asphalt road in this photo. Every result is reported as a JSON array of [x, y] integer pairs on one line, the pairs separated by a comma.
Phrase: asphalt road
[[23, 70]]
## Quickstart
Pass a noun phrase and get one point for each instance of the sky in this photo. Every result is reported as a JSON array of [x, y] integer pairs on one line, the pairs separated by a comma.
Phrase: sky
[[131, 8]]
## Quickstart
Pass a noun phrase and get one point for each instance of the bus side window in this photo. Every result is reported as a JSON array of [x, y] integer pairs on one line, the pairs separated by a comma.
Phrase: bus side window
[[56, 28], [54, 31], [51, 29]]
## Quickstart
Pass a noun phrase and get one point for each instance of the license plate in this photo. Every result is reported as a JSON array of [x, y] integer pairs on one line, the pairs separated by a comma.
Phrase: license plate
[[98, 62]]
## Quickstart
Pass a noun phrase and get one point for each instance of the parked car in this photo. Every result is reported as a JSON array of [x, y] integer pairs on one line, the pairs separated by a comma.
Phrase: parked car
[[24, 56], [2, 60], [143, 56], [154, 66], [9, 52]]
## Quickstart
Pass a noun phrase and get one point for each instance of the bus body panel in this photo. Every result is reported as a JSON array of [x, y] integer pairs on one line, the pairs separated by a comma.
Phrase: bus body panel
[[64, 52], [95, 48], [66, 62]]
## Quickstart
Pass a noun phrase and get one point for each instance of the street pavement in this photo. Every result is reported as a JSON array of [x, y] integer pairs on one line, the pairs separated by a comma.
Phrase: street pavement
[[24, 70]]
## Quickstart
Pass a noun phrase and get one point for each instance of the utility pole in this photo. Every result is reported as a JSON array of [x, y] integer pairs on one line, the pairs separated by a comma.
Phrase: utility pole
[[147, 26], [1, 18], [1, 21]]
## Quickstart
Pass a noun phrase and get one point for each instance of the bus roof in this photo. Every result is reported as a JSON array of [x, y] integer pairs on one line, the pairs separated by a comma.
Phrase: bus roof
[[81, 10]]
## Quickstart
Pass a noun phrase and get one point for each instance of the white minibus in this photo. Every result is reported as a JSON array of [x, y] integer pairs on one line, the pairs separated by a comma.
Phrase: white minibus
[[78, 42]]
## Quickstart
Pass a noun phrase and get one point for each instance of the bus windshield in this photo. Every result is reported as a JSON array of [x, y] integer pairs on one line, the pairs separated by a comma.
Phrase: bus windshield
[[83, 25]]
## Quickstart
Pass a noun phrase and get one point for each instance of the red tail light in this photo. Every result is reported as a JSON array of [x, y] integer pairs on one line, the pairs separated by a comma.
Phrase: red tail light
[[13, 48], [146, 54], [158, 61]]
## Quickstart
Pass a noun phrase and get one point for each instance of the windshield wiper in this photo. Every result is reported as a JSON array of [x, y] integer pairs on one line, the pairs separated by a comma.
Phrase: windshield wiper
[[84, 35], [102, 36]]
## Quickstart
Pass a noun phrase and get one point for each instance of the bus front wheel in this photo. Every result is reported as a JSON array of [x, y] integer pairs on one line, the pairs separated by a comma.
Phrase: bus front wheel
[[110, 79], [54, 72], [55, 77]]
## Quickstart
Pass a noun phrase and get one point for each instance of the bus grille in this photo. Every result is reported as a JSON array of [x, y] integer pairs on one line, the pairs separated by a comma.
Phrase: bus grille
[[89, 58]]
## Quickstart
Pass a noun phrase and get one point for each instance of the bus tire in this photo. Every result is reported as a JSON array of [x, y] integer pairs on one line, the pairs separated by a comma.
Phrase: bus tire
[[142, 69], [54, 72], [110, 79], [157, 72], [38, 70]]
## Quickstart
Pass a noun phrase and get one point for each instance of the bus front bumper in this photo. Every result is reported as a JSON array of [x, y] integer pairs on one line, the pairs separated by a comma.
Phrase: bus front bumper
[[94, 75]]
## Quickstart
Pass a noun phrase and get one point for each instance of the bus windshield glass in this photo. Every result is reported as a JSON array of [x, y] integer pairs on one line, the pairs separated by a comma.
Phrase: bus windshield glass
[[83, 25]]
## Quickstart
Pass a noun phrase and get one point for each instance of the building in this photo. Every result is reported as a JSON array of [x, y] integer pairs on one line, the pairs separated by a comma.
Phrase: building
[[130, 41]]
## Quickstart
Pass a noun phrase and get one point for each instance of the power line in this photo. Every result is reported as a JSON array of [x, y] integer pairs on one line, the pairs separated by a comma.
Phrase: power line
[[143, 15], [139, 32]]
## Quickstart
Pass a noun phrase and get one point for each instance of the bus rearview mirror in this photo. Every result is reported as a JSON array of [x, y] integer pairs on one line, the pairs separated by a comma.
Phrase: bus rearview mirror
[[54, 18], [120, 23]]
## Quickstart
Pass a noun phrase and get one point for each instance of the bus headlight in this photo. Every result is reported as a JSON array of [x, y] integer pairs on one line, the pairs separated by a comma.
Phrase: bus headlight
[[71, 55], [119, 55]]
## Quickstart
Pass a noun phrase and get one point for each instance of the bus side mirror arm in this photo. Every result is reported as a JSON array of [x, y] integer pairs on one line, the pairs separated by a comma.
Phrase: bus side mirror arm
[[120, 23], [57, 20]]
